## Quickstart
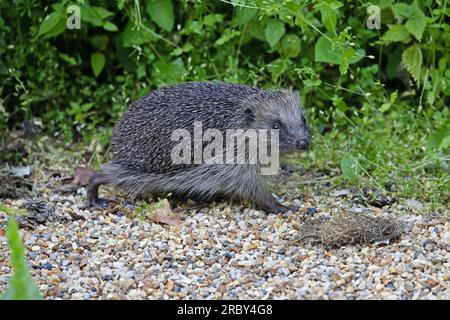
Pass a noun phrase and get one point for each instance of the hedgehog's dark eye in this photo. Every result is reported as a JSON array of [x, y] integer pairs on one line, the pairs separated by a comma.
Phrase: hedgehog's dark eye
[[276, 125]]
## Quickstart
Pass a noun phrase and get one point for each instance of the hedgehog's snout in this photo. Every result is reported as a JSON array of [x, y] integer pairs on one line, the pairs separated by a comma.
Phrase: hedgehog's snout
[[303, 137], [302, 144]]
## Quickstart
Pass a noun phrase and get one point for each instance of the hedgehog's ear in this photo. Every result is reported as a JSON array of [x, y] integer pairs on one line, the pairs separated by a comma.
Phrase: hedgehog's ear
[[249, 115]]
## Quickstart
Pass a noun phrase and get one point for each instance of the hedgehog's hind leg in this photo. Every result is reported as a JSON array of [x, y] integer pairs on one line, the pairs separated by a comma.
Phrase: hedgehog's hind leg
[[95, 180]]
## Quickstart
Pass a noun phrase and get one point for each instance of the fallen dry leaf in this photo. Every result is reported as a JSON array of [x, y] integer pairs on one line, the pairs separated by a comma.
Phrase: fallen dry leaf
[[162, 215], [159, 218]]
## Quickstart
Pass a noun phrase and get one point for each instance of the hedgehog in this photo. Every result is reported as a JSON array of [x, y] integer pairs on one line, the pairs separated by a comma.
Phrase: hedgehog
[[142, 143]]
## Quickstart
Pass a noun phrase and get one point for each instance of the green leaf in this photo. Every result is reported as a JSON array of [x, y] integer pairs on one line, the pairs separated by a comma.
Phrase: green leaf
[[60, 28], [109, 26], [51, 24], [439, 138], [350, 168], [86, 107], [393, 96], [102, 13], [211, 19], [274, 31], [256, 30], [385, 107], [396, 33], [347, 55], [384, 4], [412, 60], [164, 72], [59, 7], [402, 10], [187, 47], [290, 45], [244, 15], [70, 60], [445, 143], [161, 12], [324, 52], [97, 62], [95, 15], [21, 285], [136, 36], [227, 35], [277, 68], [416, 23], [328, 12]]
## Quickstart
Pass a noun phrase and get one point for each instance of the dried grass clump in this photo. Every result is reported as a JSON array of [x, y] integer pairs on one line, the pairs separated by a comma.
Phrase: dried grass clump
[[350, 229]]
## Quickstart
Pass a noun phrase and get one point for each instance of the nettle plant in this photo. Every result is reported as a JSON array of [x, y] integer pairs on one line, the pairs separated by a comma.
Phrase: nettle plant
[[420, 44], [56, 23], [276, 23], [164, 38], [126, 48]]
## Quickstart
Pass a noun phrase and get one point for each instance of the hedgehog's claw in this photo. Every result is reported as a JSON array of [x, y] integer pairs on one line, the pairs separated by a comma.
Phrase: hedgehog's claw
[[98, 203], [279, 208]]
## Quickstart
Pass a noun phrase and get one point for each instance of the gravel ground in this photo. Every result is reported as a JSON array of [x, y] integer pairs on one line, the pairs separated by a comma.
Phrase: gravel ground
[[225, 252]]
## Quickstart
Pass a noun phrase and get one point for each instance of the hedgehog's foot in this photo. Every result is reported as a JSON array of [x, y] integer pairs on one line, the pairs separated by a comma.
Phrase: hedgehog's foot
[[294, 209], [269, 205], [279, 208], [98, 203]]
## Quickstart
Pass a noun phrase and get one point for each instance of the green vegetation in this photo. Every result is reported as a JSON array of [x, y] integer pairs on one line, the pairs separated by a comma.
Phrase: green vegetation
[[377, 98], [21, 284]]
